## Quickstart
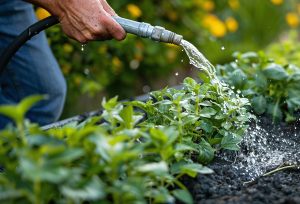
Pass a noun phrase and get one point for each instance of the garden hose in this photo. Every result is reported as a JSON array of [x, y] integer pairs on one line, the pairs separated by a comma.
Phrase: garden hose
[[141, 29], [23, 38]]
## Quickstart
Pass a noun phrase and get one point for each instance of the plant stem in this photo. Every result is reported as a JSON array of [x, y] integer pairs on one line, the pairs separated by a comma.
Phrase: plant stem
[[37, 192], [281, 169]]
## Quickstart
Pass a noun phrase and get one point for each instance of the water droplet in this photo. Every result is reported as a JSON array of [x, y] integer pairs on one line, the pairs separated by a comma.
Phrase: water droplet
[[86, 71], [83, 47], [222, 48], [176, 74]]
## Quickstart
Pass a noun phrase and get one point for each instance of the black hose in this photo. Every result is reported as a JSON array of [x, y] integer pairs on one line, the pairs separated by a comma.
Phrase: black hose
[[26, 35]]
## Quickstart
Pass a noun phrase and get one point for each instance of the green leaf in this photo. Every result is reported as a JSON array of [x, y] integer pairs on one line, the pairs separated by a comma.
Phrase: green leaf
[[207, 112], [231, 142], [183, 195], [238, 78], [206, 125], [206, 152], [259, 104], [109, 105], [93, 190], [193, 169], [154, 168], [275, 72], [184, 148], [260, 81], [127, 116], [17, 112], [275, 111]]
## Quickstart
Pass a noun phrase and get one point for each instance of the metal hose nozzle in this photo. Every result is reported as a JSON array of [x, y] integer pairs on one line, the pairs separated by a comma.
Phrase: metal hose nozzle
[[146, 30]]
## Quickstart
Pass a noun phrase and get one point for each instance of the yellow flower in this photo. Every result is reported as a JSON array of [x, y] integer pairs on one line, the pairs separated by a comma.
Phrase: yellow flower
[[231, 24], [116, 62], [277, 2], [292, 19], [66, 68], [102, 49], [117, 65], [68, 48], [134, 10], [234, 4], [42, 13], [215, 26], [173, 16], [77, 80], [208, 5]]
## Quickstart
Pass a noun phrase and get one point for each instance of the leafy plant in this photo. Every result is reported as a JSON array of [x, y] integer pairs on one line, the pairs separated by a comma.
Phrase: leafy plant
[[124, 68], [273, 89], [120, 156]]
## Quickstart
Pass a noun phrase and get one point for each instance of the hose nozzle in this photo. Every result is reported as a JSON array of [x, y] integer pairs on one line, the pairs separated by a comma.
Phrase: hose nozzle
[[146, 30]]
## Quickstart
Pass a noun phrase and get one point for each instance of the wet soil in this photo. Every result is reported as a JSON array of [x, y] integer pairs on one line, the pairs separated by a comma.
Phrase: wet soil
[[239, 180]]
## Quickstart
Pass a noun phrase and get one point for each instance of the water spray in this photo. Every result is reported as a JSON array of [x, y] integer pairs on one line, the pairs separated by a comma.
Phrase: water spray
[[140, 29]]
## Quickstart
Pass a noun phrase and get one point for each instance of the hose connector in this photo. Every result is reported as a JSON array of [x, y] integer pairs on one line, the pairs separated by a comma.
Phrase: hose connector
[[146, 30]]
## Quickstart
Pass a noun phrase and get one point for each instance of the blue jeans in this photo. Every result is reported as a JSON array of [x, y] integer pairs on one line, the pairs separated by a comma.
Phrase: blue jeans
[[33, 69]]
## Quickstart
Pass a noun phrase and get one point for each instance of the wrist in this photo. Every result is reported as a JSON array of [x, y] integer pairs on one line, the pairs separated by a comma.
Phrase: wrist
[[52, 6]]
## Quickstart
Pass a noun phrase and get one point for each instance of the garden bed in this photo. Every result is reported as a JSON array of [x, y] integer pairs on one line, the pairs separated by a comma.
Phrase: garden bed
[[232, 181]]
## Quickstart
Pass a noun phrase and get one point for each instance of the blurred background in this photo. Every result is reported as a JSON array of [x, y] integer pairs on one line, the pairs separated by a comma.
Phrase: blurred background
[[136, 66]]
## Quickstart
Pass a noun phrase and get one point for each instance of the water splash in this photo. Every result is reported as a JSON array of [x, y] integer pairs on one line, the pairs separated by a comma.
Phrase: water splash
[[263, 149], [198, 60]]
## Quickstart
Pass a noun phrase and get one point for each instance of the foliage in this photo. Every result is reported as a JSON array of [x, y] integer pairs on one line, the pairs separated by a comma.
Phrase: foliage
[[124, 68], [273, 89], [117, 157], [287, 50]]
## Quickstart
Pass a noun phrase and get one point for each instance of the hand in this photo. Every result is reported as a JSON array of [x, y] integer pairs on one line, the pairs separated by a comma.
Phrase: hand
[[85, 20]]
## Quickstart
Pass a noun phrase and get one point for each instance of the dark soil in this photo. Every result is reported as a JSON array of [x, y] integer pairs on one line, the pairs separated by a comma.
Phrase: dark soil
[[231, 185]]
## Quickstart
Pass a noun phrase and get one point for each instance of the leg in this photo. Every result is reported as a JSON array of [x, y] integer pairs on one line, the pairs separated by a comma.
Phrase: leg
[[33, 70]]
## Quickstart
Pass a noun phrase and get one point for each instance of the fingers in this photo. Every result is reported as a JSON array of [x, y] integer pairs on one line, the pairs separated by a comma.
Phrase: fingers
[[107, 8], [87, 20], [113, 28]]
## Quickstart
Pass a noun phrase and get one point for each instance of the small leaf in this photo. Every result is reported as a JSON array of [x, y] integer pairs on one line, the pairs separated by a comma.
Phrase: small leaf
[[183, 195], [275, 111], [206, 125], [206, 152], [275, 72], [207, 112], [156, 168], [231, 142], [17, 112], [238, 79], [127, 116], [193, 169], [93, 190], [259, 104], [260, 80]]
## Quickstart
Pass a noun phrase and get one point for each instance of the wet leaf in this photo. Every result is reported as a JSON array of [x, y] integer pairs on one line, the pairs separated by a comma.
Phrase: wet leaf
[[259, 104]]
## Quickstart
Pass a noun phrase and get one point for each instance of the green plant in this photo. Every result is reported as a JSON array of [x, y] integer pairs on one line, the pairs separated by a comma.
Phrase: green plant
[[124, 68], [273, 89], [287, 50], [116, 157]]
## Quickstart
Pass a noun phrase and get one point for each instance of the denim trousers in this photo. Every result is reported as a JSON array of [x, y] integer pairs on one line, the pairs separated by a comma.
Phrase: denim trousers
[[32, 70]]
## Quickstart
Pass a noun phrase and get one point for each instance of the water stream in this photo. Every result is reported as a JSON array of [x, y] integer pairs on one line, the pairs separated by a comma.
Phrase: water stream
[[263, 150]]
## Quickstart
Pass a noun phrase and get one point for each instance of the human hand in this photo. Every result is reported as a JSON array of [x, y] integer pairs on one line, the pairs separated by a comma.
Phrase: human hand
[[85, 20]]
